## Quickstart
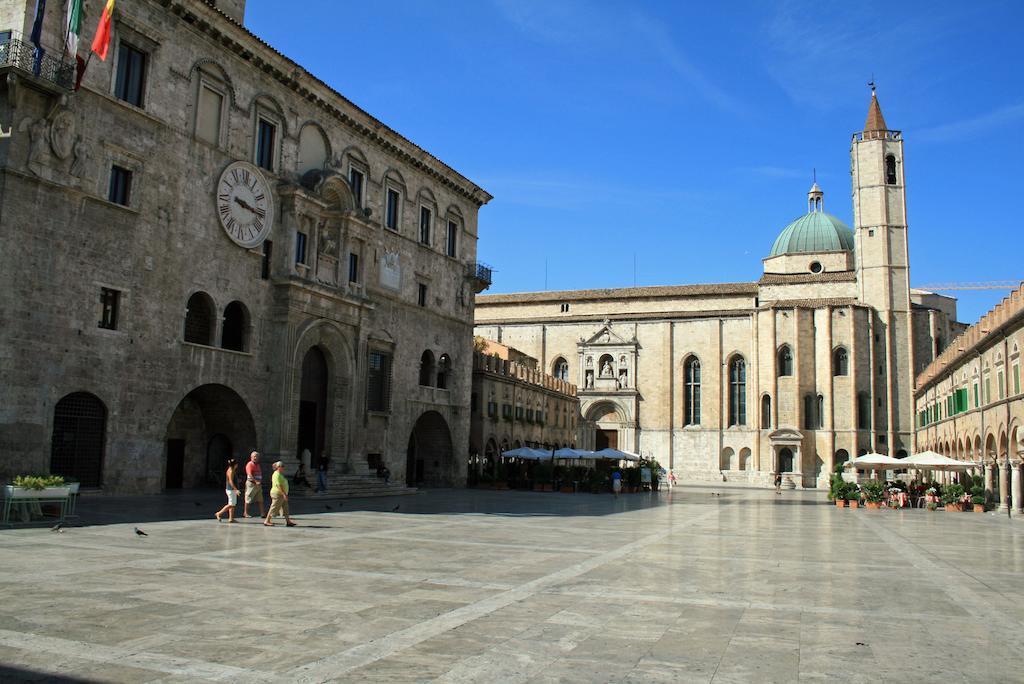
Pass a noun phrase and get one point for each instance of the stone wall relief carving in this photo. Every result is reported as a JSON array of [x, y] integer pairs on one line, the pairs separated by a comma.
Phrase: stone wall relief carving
[[62, 134], [38, 140]]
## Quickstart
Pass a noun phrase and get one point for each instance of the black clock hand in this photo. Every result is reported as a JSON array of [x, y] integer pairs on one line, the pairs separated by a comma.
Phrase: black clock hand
[[244, 205]]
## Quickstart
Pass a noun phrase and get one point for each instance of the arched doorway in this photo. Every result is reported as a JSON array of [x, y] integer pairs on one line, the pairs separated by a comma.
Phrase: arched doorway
[[210, 424], [785, 460], [429, 458], [312, 407], [608, 419], [76, 446]]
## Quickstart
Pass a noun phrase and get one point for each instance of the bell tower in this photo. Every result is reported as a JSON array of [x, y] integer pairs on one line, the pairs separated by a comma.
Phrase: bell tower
[[883, 277]]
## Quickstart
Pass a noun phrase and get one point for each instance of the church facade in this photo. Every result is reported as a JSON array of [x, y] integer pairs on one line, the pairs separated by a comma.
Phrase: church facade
[[807, 367], [207, 250]]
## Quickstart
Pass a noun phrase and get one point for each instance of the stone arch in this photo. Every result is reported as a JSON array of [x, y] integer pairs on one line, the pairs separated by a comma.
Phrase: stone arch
[[990, 447], [560, 368], [78, 439], [427, 366], [337, 192], [744, 459], [314, 149], [217, 71], [353, 153], [393, 174], [203, 422], [609, 419], [430, 460], [786, 460], [726, 459], [841, 457], [235, 327], [200, 325], [337, 352]]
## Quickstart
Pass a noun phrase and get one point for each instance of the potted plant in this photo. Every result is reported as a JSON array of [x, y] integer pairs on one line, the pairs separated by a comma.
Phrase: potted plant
[[932, 506], [874, 493], [952, 497], [852, 495], [978, 498], [27, 493]]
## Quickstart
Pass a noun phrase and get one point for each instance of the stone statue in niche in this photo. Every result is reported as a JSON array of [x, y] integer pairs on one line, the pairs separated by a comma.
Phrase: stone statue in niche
[[590, 379], [590, 361], [328, 243], [38, 135], [81, 160], [606, 370], [62, 134], [623, 378]]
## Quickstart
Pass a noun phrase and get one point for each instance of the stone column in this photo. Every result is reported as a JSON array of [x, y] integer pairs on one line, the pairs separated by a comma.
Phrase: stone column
[[1018, 509], [988, 480], [1004, 476]]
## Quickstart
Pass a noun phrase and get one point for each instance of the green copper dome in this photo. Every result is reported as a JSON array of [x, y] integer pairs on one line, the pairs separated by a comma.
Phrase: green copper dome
[[813, 232]]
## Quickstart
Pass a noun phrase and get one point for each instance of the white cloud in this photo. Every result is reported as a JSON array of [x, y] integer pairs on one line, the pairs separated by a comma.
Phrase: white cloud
[[1002, 116]]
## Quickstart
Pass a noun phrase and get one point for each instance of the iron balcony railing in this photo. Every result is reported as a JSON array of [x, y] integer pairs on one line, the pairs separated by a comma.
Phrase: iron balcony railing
[[481, 273], [21, 55]]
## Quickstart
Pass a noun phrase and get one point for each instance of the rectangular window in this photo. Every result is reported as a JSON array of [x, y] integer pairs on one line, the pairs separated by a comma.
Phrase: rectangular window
[[976, 402], [506, 411], [353, 268], [1016, 379], [355, 181], [300, 247], [453, 234], [425, 218], [109, 302], [268, 249], [120, 185], [988, 390], [131, 74], [211, 104], [1001, 384], [421, 295], [519, 413], [391, 209], [266, 135], [378, 382], [492, 409]]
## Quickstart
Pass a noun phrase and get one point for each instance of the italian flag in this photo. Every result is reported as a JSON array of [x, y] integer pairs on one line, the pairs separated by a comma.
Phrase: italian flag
[[74, 26], [101, 43]]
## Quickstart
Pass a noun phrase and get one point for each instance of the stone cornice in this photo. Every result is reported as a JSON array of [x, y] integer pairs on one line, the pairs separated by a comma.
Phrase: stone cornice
[[249, 47]]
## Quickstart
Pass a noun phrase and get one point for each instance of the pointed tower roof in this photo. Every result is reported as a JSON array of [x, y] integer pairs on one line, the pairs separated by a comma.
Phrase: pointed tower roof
[[875, 122]]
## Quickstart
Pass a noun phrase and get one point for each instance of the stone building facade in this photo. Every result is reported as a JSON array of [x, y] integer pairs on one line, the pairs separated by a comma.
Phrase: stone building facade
[[515, 404], [808, 366], [969, 404], [207, 250]]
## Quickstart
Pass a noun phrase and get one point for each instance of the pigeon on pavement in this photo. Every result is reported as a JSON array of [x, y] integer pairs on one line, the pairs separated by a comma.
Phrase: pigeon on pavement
[[56, 528], [140, 532], [395, 509]]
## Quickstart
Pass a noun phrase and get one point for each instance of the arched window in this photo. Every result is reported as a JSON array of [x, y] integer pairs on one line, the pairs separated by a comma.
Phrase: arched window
[[737, 391], [842, 456], [785, 361], [766, 412], [863, 411], [890, 169], [199, 319], [561, 369], [235, 326], [840, 362], [426, 368], [77, 444], [691, 391], [444, 369], [821, 412], [809, 422], [786, 460]]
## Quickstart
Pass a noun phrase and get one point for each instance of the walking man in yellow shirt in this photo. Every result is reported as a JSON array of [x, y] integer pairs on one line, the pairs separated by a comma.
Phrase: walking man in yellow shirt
[[278, 496]]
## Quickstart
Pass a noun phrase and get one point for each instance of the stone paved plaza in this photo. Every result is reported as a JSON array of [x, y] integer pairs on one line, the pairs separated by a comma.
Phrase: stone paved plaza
[[468, 586]]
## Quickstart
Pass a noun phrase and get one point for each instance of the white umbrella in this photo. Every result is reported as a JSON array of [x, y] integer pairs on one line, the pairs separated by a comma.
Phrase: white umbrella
[[929, 460], [527, 453], [877, 462], [616, 455], [567, 452]]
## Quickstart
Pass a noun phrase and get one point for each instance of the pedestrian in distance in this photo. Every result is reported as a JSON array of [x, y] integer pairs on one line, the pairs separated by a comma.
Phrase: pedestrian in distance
[[616, 483], [386, 474], [299, 478], [231, 489], [321, 473], [778, 483], [278, 496], [253, 484]]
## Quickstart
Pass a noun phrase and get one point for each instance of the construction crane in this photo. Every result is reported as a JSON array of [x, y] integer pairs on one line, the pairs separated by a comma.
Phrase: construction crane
[[988, 285]]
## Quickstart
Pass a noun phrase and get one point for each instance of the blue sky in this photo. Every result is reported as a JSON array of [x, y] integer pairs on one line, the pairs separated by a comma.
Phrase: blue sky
[[682, 136]]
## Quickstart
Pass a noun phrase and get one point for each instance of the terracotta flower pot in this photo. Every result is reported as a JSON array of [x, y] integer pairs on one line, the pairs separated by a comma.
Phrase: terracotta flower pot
[[854, 503], [840, 503], [979, 508], [873, 504]]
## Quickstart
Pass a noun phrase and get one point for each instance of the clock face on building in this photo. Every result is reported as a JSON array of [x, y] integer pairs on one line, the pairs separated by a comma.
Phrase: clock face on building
[[245, 206]]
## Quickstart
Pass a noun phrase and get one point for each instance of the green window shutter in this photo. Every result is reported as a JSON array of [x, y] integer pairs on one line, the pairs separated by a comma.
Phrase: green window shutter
[[1016, 379], [976, 404]]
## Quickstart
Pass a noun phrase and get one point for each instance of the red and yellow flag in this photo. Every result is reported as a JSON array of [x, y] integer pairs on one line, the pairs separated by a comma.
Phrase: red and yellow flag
[[101, 43]]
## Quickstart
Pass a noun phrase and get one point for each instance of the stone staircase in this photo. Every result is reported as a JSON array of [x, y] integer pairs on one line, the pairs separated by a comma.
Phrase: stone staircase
[[356, 484]]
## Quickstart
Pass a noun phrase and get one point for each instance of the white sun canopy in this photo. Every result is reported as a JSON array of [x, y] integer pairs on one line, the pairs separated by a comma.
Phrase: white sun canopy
[[527, 453], [877, 462], [616, 455], [929, 460]]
